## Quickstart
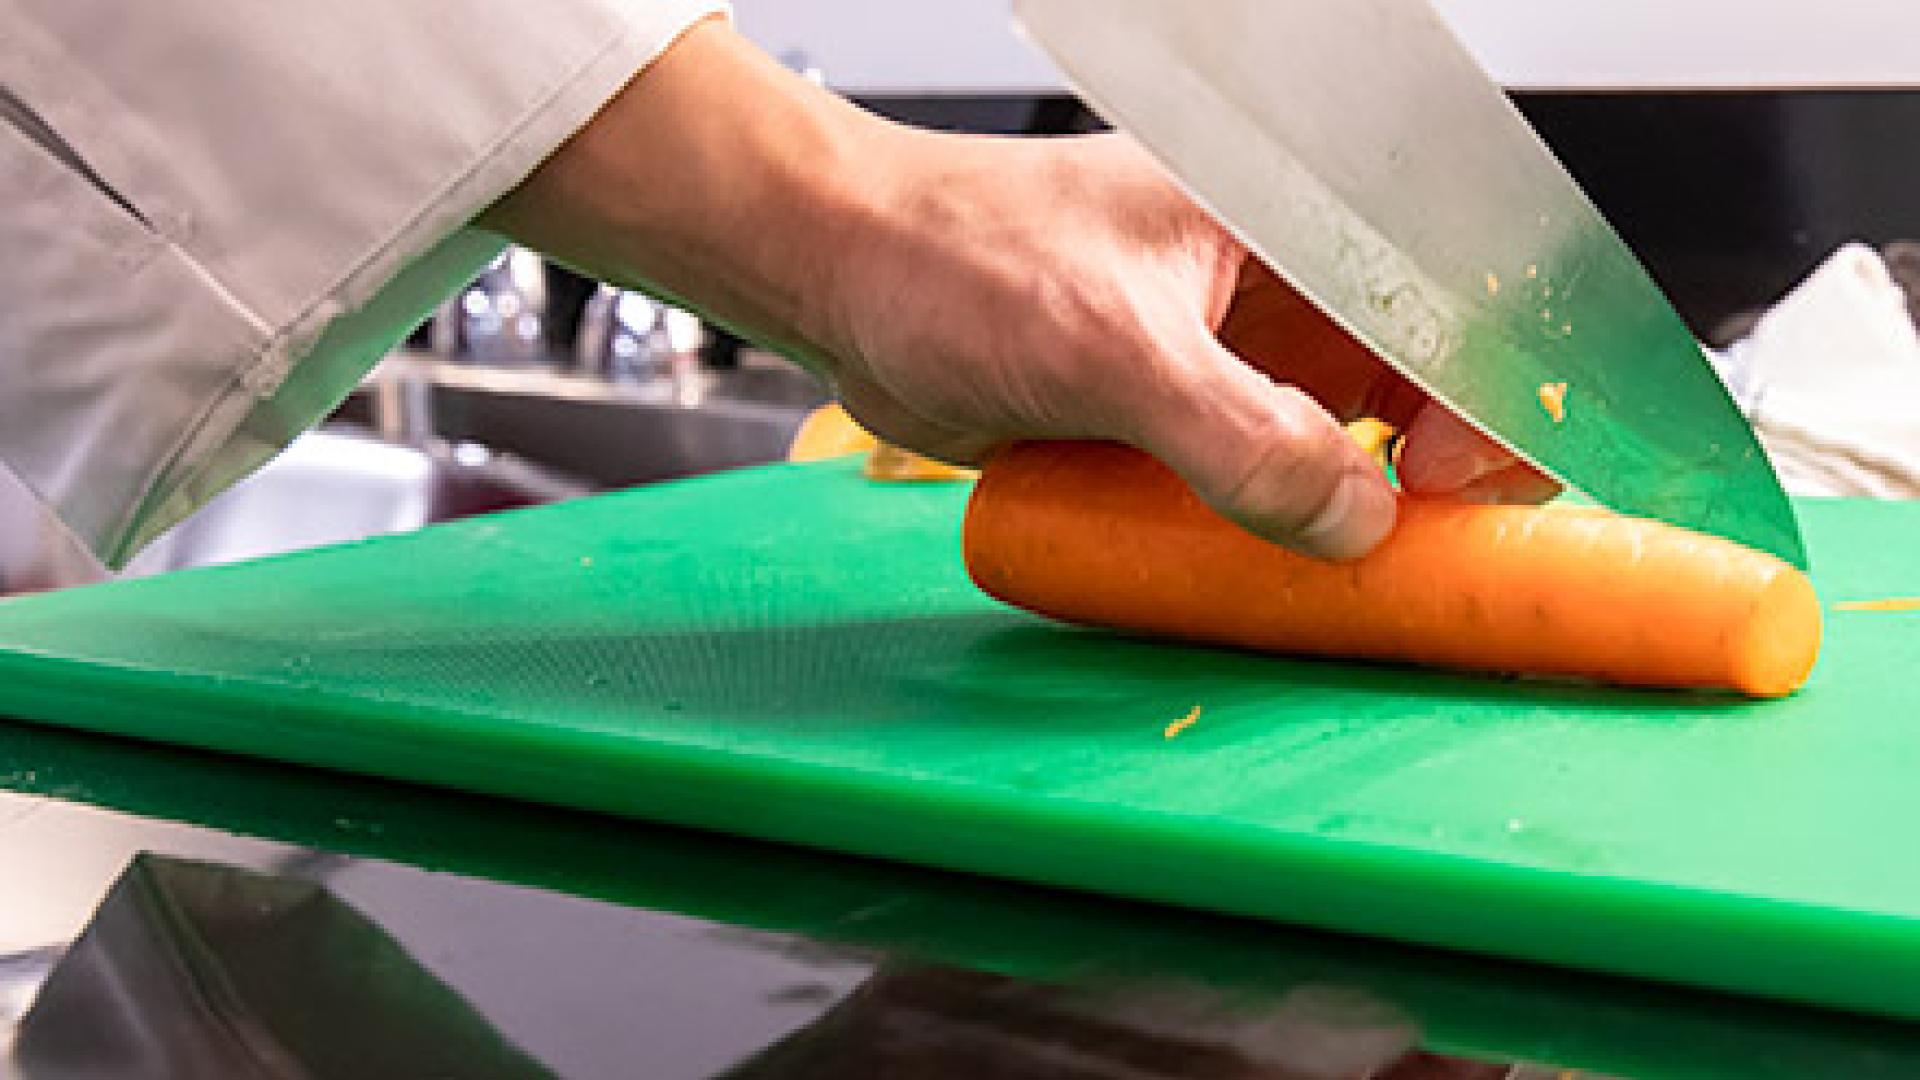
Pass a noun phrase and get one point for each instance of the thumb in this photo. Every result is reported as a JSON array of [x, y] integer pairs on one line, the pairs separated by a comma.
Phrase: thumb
[[1268, 457]]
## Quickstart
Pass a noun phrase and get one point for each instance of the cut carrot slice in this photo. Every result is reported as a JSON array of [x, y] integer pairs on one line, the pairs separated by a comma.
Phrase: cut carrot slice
[[829, 431]]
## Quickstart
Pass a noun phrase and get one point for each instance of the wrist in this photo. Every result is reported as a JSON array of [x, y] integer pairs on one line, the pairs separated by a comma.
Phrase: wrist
[[830, 214], [722, 182]]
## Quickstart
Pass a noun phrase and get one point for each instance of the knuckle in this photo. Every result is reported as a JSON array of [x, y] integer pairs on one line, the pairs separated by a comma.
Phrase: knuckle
[[1295, 468]]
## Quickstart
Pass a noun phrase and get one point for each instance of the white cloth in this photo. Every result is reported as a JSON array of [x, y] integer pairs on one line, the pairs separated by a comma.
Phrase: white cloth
[[216, 216], [1829, 378]]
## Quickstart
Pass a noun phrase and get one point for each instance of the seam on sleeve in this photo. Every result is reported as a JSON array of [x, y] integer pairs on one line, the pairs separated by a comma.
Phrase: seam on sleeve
[[268, 364], [441, 197]]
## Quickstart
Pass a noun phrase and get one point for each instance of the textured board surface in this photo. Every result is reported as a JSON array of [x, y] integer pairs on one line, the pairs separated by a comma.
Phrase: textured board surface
[[794, 653]]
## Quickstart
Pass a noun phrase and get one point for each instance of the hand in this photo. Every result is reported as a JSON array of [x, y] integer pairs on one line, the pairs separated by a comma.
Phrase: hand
[[1065, 288], [962, 292], [1274, 328]]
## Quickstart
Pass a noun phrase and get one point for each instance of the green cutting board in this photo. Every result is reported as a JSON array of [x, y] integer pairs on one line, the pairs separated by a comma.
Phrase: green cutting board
[[795, 653]]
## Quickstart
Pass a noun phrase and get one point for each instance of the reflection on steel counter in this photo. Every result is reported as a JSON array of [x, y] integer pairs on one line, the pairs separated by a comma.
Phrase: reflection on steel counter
[[935, 1022], [620, 949], [191, 970]]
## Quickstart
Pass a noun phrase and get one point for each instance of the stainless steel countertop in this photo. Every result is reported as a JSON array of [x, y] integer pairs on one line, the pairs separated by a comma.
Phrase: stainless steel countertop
[[582, 946]]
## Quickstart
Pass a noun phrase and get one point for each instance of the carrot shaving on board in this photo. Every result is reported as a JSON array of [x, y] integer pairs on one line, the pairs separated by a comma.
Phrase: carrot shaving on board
[[1374, 437], [889, 463], [1896, 603], [1182, 724], [1553, 398]]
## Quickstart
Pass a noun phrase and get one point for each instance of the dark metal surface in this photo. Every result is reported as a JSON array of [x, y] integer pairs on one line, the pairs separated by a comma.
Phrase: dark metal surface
[[571, 945], [193, 970]]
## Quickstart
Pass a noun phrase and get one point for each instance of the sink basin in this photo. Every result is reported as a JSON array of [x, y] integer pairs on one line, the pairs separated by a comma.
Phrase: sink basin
[[328, 487], [607, 434], [340, 484], [428, 441], [617, 444]]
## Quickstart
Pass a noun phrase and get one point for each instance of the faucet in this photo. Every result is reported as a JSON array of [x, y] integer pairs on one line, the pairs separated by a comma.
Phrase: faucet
[[501, 317], [630, 336]]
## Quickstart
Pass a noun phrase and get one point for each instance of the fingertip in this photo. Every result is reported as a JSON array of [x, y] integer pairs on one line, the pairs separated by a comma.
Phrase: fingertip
[[1517, 484], [1358, 515], [1442, 454], [1314, 489], [1271, 459]]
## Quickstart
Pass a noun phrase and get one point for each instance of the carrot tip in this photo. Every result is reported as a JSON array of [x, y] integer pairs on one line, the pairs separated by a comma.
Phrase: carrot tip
[[1782, 640]]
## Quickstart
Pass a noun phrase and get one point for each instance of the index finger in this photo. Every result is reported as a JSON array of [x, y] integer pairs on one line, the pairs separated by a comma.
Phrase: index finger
[[1275, 329], [1444, 455]]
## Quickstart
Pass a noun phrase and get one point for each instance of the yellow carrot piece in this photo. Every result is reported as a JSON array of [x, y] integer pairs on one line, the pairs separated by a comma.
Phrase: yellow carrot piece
[[829, 431], [887, 462], [1183, 723], [1553, 398]]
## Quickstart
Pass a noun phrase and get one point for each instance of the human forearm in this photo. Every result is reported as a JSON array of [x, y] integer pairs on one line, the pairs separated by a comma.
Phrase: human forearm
[[964, 292], [717, 179]]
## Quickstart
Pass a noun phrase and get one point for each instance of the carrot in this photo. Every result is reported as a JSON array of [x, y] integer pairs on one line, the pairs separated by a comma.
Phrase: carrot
[[1182, 724], [1896, 603], [1553, 398], [1104, 535], [1373, 436], [829, 431], [889, 463]]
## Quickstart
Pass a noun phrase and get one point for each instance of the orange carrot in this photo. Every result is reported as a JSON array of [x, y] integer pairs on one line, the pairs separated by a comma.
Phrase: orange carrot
[[829, 431], [1100, 534], [1897, 603], [1182, 724], [889, 463], [1553, 398], [1374, 437]]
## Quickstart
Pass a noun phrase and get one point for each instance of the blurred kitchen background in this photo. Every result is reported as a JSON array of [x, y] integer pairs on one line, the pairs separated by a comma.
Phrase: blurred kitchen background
[[1736, 146]]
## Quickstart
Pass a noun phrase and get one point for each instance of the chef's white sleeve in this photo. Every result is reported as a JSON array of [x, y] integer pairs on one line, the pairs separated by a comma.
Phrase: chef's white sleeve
[[215, 217]]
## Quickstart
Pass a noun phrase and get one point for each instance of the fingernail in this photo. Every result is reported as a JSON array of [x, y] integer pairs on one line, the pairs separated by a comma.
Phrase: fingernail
[[1441, 453], [1357, 516], [1453, 469], [1514, 484]]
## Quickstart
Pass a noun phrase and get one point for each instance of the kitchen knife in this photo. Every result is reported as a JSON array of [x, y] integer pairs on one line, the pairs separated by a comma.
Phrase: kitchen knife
[[1357, 148]]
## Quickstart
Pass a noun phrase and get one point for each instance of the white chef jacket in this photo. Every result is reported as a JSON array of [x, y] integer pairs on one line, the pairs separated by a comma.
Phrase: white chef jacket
[[216, 216]]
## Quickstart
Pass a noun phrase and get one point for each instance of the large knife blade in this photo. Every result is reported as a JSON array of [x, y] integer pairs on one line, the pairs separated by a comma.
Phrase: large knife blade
[[1357, 148]]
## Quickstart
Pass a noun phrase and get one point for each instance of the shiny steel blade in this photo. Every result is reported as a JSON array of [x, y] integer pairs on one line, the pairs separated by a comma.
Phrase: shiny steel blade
[[1358, 149]]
